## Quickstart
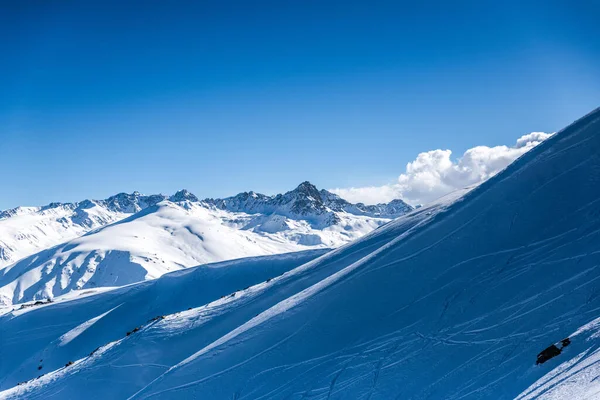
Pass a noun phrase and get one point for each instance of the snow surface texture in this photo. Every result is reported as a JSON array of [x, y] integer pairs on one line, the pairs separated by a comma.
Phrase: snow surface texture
[[73, 326], [168, 234], [452, 301]]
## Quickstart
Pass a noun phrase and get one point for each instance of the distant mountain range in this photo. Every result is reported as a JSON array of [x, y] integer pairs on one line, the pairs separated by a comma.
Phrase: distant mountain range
[[26, 230], [48, 251]]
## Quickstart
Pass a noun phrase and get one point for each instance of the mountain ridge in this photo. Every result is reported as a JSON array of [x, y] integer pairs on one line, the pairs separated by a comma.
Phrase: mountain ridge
[[51, 224], [136, 201], [128, 238]]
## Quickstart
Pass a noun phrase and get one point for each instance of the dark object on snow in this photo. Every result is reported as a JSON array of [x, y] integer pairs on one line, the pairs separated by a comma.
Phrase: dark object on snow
[[552, 351], [68, 364], [133, 331], [94, 351], [37, 303], [547, 353]]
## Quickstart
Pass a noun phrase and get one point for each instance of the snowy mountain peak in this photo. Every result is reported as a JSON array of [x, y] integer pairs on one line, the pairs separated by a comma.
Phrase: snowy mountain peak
[[309, 203], [183, 195], [131, 203], [307, 188], [304, 200]]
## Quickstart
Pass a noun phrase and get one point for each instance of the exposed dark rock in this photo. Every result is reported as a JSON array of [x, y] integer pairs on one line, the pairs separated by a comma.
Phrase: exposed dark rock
[[552, 351], [133, 331], [37, 303]]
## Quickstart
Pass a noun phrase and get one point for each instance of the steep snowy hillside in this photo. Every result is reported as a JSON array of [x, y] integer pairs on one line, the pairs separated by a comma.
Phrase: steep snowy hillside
[[27, 230], [78, 323], [91, 321], [453, 301]]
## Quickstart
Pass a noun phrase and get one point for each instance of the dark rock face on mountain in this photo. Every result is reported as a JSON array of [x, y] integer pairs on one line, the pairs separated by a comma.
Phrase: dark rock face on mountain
[[183, 195], [304, 200], [131, 203], [250, 202]]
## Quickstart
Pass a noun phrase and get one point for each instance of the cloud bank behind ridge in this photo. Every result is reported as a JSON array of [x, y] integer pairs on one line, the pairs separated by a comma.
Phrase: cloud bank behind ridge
[[434, 174]]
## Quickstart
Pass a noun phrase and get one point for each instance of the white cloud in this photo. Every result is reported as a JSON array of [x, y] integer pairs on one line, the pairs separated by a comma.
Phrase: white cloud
[[434, 174]]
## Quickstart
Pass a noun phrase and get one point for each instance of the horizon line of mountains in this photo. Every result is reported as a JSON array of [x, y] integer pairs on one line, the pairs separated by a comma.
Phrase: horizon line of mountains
[[303, 201]]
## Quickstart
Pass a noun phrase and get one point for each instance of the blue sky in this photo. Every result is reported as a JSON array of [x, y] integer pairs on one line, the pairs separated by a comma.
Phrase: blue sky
[[99, 97]]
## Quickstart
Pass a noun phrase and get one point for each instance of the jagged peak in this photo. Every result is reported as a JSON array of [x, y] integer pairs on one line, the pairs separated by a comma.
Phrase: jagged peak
[[183, 195], [123, 196], [252, 194], [130, 202], [306, 185], [306, 189], [397, 201]]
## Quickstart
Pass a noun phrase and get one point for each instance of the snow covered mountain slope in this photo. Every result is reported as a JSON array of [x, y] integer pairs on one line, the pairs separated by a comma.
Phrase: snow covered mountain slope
[[162, 238], [305, 216], [451, 301], [27, 230], [72, 326], [167, 235], [32, 336]]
